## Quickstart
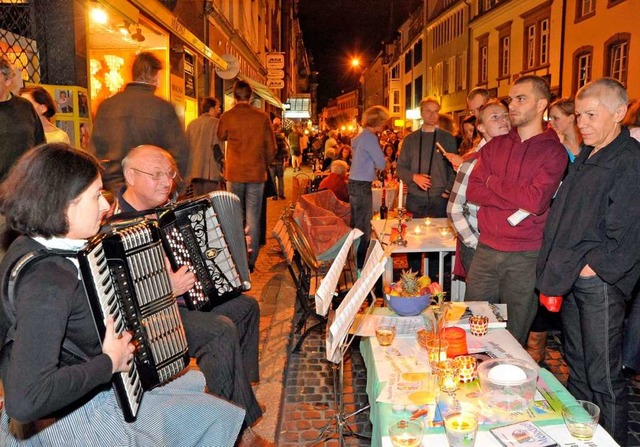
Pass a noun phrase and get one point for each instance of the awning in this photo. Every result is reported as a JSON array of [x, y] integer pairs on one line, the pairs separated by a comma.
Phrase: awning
[[262, 91], [159, 12]]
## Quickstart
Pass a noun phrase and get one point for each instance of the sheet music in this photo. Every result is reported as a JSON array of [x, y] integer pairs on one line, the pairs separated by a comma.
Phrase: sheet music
[[346, 312], [327, 288], [405, 326]]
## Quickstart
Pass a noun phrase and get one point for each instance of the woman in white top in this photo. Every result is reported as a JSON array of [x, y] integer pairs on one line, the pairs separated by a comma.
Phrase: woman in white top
[[46, 108]]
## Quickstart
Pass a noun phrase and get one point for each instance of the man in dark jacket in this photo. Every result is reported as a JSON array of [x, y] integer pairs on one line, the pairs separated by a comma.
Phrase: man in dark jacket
[[517, 171], [590, 251], [136, 116]]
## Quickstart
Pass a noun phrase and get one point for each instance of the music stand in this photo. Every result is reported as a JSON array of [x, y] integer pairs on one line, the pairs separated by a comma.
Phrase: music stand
[[338, 342]]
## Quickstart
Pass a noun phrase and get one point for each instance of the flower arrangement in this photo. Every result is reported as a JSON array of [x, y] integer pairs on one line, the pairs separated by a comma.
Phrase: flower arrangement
[[439, 306]]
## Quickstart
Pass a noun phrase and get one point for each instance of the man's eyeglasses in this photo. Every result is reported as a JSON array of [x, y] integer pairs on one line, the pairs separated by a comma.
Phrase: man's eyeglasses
[[171, 174]]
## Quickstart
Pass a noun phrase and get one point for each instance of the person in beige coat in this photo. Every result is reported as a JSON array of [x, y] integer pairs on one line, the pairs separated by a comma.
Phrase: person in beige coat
[[251, 146]]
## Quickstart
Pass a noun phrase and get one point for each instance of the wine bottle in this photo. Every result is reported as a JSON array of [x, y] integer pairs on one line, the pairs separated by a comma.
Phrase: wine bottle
[[383, 206]]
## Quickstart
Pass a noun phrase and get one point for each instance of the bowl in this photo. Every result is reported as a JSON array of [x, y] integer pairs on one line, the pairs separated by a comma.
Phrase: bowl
[[508, 385], [408, 306]]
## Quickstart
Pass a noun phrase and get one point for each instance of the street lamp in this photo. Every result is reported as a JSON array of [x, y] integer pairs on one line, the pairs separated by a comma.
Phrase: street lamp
[[355, 62]]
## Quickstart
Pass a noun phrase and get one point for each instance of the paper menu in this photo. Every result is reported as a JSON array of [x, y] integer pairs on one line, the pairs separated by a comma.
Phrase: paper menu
[[324, 294], [405, 326]]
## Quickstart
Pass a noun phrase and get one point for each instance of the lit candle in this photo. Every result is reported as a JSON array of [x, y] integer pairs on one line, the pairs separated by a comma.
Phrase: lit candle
[[417, 230], [447, 374], [401, 186], [427, 222]]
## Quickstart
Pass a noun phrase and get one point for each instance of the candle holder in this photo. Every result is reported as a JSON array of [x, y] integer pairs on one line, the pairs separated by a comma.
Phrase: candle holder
[[478, 325], [400, 240], [436, 351], [467, 368], [447, 375]]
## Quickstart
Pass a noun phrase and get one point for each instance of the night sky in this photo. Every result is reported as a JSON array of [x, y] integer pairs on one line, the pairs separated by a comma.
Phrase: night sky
[[334, 31]]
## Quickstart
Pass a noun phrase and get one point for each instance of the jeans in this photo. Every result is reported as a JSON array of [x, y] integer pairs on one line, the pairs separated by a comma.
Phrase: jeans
[[250, 195], [592, 321], [506, 277], [361, 200], [277, 175]]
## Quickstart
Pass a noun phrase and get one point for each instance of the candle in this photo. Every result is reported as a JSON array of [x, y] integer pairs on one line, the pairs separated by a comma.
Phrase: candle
[[447, 374], [427, 222], [461, 428], [457, 340], [401, 187], [417, 230]]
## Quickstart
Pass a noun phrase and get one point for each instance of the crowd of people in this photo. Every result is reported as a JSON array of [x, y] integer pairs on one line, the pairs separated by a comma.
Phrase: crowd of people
[[543, 197]]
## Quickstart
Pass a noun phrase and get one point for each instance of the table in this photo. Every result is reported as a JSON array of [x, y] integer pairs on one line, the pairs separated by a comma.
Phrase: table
[[429, 240], [381, 414]]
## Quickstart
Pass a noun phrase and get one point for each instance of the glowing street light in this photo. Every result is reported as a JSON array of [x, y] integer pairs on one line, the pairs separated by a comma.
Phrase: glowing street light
[[355, 62]]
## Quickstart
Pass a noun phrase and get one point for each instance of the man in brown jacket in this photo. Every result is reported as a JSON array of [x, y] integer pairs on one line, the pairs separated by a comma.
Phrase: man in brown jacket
[[251, 146]]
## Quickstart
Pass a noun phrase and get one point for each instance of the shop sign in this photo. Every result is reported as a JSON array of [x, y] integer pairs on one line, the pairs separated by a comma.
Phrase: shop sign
[[189, 75], [275, 74], [275, 83], [275, 61]]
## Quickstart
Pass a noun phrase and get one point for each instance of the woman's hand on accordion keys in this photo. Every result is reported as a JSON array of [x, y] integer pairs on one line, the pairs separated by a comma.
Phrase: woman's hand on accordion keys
[[118, 347], [182, 280]]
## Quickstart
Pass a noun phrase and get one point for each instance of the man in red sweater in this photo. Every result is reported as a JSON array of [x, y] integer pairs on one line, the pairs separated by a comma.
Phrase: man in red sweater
[[519, 171]]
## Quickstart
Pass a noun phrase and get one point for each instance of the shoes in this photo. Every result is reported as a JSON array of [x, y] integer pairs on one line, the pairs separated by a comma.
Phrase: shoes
[[252, 439], [274, 198], [536, 346], [282, 197]]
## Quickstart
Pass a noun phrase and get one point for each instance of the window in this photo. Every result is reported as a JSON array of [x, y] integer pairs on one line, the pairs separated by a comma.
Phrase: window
[[537, 37], [395, 95], [483, 59], [395, 72], [585, 9], [504, 50], [617, 57], [417, 90], [407, 96], [581, 67], [407, 62], [445, 77], [417, 52]]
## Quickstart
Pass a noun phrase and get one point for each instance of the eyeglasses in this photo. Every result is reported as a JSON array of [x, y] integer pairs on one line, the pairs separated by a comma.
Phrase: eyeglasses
[[170, 174]]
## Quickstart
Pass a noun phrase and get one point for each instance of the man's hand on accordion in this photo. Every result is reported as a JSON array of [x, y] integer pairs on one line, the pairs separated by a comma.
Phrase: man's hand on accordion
[[182, 280], [118, 347]]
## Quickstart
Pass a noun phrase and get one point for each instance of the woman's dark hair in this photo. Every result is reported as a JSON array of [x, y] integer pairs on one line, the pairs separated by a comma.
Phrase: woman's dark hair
[[41, 96], [40, 186]]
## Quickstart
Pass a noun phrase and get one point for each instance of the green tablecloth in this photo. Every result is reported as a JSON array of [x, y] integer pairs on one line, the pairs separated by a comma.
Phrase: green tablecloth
[[381, 414]]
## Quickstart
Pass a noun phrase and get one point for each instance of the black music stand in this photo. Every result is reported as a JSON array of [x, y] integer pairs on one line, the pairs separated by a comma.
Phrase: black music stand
[[337, 349]]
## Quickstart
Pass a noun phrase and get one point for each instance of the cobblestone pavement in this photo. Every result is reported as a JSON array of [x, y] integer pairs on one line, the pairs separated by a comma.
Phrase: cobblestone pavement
[[297, 388]]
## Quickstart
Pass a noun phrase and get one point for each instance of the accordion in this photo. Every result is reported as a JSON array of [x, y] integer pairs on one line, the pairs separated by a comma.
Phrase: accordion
[[125, 277], [207, 234]]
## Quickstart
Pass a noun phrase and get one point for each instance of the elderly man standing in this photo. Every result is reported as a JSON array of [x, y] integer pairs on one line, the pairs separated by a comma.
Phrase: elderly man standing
[[136, 116], [206, 159], [251, 145], [590, 251], [517, 171]]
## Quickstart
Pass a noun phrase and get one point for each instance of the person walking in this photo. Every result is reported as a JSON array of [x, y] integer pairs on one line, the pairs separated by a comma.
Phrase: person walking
[[206, 159], [251, 146], [136, 116], [276, 168]]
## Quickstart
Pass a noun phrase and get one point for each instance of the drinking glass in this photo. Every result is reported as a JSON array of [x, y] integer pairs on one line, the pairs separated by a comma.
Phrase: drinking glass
[[581, 419]]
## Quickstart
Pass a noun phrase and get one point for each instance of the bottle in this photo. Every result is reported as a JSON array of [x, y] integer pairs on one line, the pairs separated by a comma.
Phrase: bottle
[[383, 206]]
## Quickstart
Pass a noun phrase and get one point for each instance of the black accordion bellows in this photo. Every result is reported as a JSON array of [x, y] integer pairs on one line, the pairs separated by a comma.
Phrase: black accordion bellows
[[125, 277], [207, 234]]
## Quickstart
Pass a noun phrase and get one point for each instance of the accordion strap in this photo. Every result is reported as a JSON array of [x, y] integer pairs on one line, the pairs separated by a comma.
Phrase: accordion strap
[[29, 259]]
